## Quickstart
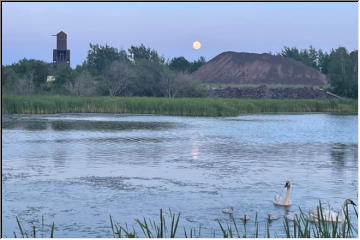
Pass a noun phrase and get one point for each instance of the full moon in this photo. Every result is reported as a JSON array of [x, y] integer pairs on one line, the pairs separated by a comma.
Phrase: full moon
[[196, 45]]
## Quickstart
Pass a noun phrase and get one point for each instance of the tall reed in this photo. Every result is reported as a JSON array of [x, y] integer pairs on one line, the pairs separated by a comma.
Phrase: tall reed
[[303, 226], [165, 106], [33, 233]]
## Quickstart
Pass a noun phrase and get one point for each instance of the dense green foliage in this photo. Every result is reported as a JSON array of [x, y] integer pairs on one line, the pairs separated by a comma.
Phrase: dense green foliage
[[25, 76], [99, 58], [180, 64], [310, 57], [339, 66], [107, 71], [141, 71], [177, 106], [343, 72]]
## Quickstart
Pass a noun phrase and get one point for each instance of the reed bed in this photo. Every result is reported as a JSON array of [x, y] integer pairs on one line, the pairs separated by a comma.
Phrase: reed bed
[[168, 226], [211, 107]]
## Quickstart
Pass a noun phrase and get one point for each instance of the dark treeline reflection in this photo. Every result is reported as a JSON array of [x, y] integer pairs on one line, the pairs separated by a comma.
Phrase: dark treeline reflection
[[34, 125], [31, 125], [341, 154]]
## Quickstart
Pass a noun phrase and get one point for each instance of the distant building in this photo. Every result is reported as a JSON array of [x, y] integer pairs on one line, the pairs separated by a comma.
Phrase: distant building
[[61, 54]]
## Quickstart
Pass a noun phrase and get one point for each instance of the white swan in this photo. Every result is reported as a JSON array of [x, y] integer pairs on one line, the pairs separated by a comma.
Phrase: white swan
[[329, 215], [284, 200], [229, 210]]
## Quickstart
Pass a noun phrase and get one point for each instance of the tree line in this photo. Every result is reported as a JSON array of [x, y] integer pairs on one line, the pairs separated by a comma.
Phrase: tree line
[[141, 71], [107, 71], [340, 67]]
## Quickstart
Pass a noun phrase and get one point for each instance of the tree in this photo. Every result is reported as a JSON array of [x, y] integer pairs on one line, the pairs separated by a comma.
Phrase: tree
[[169, 82], [323, 61], [82, 85], [342, 72], [180, 64], [195, 65], [141, 53], [308, 57], [353, 75], [24, 85], [118, 78], [148, 81], [291, 53], [339, 66], [313, 57], [38, 70], [64, 75], [187, 87], [9, 77], [100, 57]]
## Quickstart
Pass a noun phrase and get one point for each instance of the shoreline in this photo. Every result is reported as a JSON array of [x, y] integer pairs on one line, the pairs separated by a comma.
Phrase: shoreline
[[201, 107]]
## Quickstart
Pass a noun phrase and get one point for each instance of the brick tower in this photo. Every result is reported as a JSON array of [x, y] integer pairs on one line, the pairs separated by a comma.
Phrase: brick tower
[[61, 54]]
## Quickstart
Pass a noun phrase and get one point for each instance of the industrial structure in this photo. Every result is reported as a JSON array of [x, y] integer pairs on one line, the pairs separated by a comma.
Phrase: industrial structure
[[61, 54]]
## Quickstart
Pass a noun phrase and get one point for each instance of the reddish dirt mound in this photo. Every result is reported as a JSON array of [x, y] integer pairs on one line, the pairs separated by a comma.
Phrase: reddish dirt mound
[[253, 68]]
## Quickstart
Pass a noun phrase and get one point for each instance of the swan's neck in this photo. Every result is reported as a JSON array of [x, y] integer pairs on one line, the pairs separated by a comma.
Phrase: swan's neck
[[287, 196]]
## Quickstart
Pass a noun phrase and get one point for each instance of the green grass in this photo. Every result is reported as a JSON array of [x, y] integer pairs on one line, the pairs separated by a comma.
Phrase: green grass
[[167, 226], [34, 232], [165, 106]]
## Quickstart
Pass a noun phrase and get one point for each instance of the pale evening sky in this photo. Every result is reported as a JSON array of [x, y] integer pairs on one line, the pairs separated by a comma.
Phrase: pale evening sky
[[171, 28]]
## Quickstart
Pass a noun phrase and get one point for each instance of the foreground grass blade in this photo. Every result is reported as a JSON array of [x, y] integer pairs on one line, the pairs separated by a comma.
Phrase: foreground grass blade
[[20, 227], [303, 227], [52, 230]]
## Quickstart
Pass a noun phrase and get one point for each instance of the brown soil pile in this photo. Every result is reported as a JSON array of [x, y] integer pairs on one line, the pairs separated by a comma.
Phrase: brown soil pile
[[252, 68]]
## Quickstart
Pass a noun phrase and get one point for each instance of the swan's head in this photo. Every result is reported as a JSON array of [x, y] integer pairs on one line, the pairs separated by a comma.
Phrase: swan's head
[[349, 201], [287, 184]]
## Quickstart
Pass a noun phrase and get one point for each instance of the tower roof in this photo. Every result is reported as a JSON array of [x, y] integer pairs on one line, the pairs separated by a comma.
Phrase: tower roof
[[61, 33]]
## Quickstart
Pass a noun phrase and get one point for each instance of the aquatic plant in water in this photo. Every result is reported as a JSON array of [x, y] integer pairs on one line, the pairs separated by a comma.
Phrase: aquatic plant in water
[[302, 226]]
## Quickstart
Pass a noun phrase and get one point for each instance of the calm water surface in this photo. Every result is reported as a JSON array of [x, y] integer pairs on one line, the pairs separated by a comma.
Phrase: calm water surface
[[77, 169]]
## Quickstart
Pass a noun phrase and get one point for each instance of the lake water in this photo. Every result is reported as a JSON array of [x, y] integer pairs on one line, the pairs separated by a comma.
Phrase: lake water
[[77, 169]]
